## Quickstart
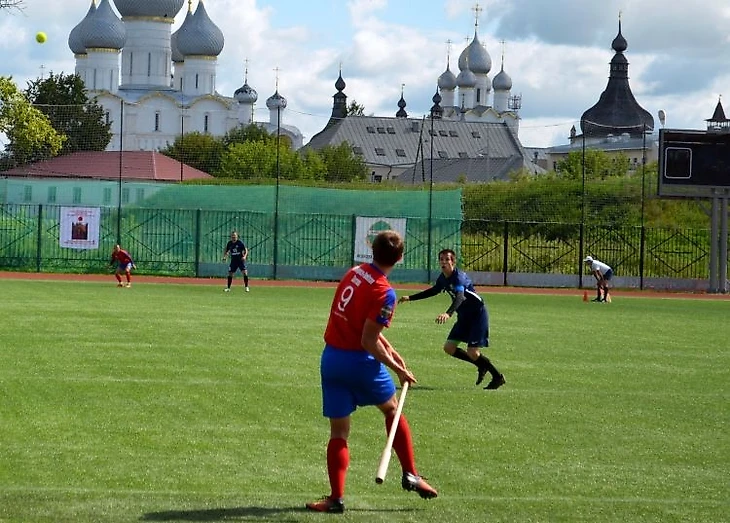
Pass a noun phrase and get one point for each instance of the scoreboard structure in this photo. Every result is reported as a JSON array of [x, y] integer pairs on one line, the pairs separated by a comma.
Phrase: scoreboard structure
[[693, 163], [696, 164]]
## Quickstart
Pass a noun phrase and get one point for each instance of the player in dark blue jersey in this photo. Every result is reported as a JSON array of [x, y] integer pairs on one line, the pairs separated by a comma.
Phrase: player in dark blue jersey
[[239, 252], [472, 319]]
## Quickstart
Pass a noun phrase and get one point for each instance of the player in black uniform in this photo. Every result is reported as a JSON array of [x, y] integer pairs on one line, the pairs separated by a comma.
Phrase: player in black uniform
[[239, 252], [472, 321]]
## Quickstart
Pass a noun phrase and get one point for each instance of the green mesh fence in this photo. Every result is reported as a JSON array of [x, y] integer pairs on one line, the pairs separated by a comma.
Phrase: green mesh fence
[[309, 200]]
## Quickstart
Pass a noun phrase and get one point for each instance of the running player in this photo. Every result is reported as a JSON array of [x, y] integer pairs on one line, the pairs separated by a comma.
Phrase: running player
[[472, 319]]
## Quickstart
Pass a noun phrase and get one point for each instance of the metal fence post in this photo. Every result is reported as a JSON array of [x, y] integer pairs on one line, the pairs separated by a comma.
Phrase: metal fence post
[[39, 241], [505, 255], [197, 243]]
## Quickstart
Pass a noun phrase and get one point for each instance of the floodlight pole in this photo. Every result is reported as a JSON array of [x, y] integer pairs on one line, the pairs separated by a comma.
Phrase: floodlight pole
[[182, 135], [723, 243], [429, 251], [643, 198], [119, 195], [582, 210], [276, 202]]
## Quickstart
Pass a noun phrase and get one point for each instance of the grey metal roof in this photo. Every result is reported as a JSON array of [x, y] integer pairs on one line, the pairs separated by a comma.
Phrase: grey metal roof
[[479, 170], [404, 141], [609, 144]]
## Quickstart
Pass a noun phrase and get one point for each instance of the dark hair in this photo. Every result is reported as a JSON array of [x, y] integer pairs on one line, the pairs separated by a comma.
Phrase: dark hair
[[387, 248], [448, 251]]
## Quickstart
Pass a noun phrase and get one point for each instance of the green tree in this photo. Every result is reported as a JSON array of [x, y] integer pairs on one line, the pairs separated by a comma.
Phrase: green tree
[[30, 135], [247, 133], [199, 150], [355, 109], [599, 165], [258, 159], [63, 99], [342, 164]]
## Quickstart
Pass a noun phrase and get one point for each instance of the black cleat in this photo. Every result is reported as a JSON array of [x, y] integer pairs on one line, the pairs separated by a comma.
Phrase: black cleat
[[496, 382], [411, 482], [481, 373], [596, 299], [327, 504]]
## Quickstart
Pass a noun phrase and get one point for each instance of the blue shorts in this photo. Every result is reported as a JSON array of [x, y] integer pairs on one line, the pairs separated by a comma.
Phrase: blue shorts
[[352, 379], [237, 264], [472, 329], [124, 267], [608, 275]]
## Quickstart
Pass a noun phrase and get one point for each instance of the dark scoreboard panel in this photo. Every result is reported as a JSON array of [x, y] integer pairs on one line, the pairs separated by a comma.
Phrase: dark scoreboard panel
[[693, 163]]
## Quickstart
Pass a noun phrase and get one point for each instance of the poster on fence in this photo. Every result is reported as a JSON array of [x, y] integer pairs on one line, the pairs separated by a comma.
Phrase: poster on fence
[[79, 227], [366, 229]]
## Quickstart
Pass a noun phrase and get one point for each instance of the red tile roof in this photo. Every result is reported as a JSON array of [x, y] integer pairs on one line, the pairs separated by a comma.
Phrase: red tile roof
[[105, 165]]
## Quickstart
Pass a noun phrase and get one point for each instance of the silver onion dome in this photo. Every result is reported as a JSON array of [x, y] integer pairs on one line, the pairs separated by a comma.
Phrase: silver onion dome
[[502, 82], [478, 60], [201, 37], [104, 29], [75, 42], [177, 56], [466, 79], [447, 80], [276, 100], [155, 8], [246, 94]]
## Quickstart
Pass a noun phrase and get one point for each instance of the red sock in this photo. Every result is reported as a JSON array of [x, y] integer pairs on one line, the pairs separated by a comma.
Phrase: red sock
[[338, 459], [119, 278], [129, 277], [403, 444]]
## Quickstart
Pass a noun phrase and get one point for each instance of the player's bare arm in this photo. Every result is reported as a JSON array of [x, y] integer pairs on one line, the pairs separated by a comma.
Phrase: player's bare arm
[[371, 342], [394, 353]]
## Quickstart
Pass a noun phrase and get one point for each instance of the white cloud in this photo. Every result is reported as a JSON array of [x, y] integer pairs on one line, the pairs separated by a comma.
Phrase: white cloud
[[557, 53]]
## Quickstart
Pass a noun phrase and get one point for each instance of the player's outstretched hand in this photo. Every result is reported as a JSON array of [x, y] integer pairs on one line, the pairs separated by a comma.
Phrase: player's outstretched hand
[[403, 298], [442, 318]]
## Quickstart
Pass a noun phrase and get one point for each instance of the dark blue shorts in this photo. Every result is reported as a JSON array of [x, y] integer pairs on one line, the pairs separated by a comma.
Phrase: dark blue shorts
[[352, 379], [236, 265], [472, 329], [608, 275]]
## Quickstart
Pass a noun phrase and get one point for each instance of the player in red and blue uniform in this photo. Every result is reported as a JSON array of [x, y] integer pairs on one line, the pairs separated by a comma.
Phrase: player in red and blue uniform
[[124, 263], [472, 319], [353, 368]]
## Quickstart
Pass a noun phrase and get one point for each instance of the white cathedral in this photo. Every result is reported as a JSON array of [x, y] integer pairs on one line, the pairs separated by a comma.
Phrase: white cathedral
[[156, 85]]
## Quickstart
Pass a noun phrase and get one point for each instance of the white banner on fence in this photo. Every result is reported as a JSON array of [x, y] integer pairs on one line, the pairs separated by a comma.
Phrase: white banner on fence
[[366, 229], [80, 227]]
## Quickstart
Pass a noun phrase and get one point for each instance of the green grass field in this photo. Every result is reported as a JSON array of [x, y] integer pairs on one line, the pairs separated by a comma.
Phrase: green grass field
[[183, 403]]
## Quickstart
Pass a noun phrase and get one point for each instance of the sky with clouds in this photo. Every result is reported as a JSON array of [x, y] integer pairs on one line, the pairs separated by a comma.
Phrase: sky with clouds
[[556, 51]]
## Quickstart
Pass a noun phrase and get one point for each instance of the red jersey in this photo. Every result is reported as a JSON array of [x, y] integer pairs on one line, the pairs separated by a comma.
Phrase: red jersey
[[363, 293], [122, 257]]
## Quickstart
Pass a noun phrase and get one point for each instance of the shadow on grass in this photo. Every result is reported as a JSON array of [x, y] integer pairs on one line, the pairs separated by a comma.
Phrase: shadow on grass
[[242, 513]]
